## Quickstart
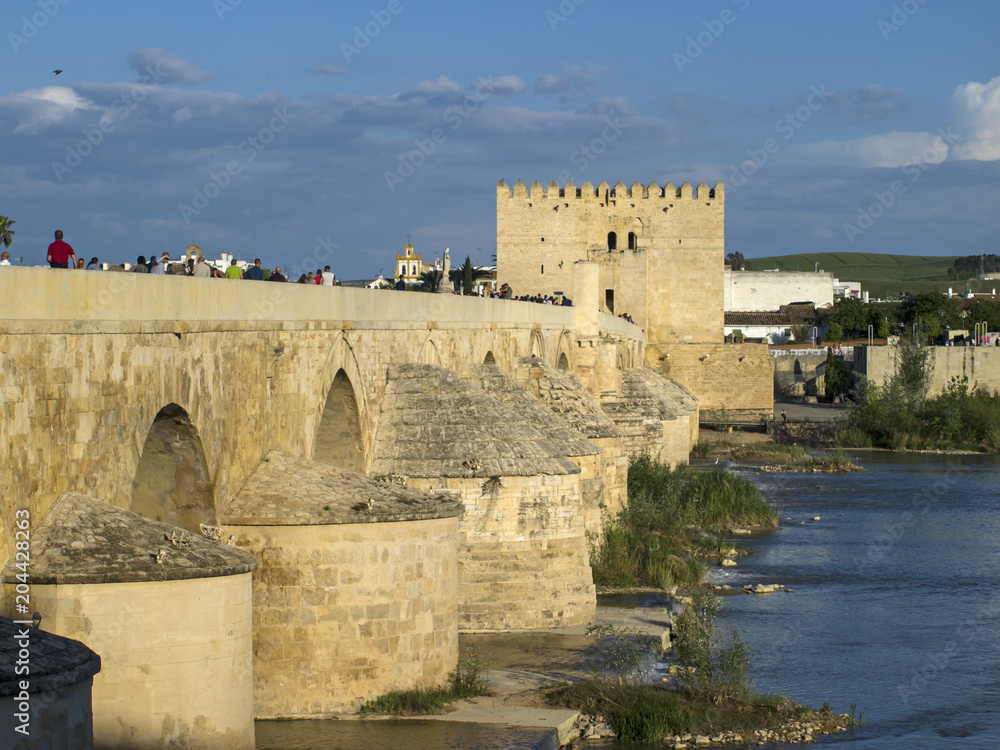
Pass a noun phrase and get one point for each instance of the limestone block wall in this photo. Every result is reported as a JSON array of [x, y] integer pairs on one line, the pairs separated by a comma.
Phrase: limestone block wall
[[614, 470], [563, 392], [738, 378], [344, 613], [758, 291], [980, 364], [177, 658], [523, 561]]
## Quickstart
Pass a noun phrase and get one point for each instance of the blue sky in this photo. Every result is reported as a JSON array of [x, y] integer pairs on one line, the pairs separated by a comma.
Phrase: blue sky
[[318, 132]]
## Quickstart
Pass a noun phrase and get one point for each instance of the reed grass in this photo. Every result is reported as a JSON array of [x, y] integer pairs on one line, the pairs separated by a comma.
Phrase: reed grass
[[659, 538]]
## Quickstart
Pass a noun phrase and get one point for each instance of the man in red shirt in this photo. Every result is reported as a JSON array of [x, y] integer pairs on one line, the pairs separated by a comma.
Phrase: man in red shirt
[[60, 252]]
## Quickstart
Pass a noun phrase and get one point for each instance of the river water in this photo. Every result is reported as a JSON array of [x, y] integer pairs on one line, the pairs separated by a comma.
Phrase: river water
[[896, 603], [895, 608]]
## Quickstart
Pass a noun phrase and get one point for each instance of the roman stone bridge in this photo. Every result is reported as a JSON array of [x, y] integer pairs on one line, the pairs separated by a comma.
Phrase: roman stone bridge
[[456, 449]]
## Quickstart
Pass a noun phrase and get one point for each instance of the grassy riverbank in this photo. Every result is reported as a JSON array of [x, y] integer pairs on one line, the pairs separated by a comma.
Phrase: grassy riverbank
[[662, 537], [712, 695]]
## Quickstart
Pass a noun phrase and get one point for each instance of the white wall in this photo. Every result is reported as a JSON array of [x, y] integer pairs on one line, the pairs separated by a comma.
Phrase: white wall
[[761, 291]]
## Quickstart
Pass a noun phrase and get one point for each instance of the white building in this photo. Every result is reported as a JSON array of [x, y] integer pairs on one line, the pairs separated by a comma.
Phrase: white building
[[761, 291]]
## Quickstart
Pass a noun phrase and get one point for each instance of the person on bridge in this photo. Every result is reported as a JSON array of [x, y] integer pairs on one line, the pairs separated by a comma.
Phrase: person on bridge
[[4, 258], [255, 272], [60, 252], [201, 269], [234, 272], [277, 275], [328, 277]]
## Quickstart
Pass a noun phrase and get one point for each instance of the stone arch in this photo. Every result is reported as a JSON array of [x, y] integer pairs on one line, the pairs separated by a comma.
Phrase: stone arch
[[624, 357], [537, 344], [171, 482], [429, 354], [339, 440], [564, 351], [489, 359], [343, 360]]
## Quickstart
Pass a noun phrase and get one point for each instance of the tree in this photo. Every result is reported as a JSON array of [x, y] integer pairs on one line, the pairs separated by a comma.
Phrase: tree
[[431, 279], [835, 332], [468, 276], [931, 312], [738, 262], [6, 233], [839, 378]]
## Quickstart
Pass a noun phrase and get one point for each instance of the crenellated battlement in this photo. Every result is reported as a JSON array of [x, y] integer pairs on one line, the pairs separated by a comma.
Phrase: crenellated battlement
[[605, 192]]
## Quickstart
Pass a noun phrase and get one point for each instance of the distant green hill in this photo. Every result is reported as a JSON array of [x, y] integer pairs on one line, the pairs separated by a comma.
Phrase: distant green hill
[[881, 275]]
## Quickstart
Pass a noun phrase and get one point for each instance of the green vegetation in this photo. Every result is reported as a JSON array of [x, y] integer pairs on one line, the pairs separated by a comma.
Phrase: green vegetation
[[900, 416], [793, 457], [925, 315], [839, 378], [657, 539], [468, 680], [6, 233], [714, 693], [702, 450], [709, 669]]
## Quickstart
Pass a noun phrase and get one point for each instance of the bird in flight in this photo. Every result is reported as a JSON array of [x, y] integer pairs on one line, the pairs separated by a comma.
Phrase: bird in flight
[[57, 72]]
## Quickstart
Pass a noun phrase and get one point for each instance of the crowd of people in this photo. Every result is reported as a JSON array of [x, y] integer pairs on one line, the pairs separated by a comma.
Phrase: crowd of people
[[60, 252]]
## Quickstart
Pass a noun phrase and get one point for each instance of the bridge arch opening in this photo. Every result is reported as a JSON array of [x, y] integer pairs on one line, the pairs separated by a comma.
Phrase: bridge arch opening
[[171, 482], [489, 359], [537, 345], [338, 439], [563, 363]]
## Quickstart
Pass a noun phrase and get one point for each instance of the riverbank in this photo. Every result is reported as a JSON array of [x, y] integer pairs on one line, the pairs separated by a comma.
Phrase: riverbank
[[531, 675], [760, 452]]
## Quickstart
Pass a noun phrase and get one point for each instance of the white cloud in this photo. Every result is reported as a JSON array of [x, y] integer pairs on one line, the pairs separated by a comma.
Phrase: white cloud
[[159, 66], [37, 109], [976, 108], [502, 85], [442, 86], [895, 149], [571, 82]]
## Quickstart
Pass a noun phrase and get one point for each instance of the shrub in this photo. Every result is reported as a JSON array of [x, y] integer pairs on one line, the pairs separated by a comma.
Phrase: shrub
[[721, 670]]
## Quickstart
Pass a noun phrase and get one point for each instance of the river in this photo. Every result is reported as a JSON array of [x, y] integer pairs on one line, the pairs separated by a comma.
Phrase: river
[[896, 602]]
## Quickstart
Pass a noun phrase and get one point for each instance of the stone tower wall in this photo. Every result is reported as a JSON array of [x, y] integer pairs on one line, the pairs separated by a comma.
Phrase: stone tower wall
[[670, 282]]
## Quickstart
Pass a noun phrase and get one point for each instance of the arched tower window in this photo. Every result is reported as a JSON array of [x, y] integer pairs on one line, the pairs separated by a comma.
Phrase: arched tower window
[[612, 241], [633, 241]]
